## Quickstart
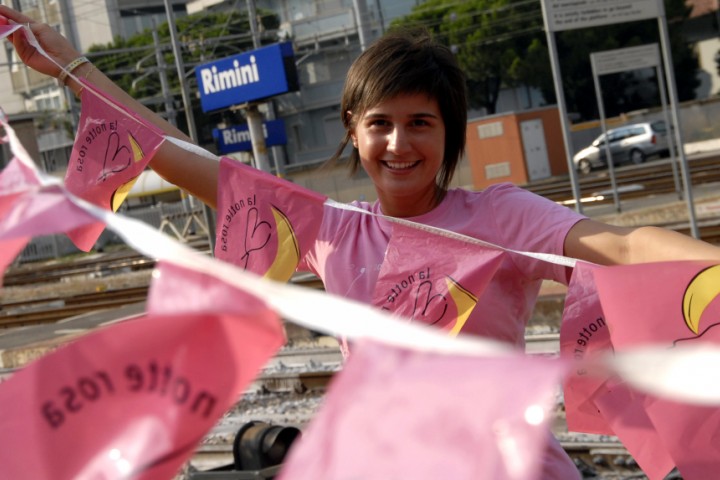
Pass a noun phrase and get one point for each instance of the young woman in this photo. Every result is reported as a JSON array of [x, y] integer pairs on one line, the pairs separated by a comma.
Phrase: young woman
[[404, 111]]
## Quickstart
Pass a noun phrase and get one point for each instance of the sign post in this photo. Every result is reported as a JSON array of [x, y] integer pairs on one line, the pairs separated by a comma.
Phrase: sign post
[[623, 60], [559, 15]]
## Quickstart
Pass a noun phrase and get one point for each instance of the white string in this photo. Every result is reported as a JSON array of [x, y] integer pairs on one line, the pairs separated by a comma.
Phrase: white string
[[689, 374]]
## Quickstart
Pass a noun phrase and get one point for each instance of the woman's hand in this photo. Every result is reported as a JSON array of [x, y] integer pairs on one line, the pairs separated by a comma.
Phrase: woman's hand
[[54, 44]]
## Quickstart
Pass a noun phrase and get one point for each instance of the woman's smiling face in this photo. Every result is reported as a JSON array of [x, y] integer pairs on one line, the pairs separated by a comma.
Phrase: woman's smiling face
[[401, 143]]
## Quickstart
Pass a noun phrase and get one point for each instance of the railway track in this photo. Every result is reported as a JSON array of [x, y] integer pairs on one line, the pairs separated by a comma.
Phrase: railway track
[[39, 311], [599, 460], [636, 181], [94, 265]]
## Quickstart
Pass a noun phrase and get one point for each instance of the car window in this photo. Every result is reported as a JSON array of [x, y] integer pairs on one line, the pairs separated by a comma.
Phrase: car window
[[616, 135], [659, 126], [637, 131]]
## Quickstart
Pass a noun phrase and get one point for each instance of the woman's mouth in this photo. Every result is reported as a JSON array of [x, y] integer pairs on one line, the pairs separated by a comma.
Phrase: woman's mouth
[[399, 165]]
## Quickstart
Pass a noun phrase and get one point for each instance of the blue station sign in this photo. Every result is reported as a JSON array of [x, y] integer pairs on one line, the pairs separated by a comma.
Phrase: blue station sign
[[247, 77], [237, 137]]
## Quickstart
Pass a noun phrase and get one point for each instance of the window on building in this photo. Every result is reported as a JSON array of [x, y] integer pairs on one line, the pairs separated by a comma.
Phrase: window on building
[[297, 136], [47, 99], [26, 5], [56, 160]]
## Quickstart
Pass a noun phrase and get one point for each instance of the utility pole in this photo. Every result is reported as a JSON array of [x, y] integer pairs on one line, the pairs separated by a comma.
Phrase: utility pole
[[254, 117], [208, 214], [179, 65], [361, 18], [162, 72]]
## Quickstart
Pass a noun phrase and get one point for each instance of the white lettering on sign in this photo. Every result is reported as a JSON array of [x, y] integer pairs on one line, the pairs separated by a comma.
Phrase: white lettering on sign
[[231, 137], [214, 81], [572, 14]]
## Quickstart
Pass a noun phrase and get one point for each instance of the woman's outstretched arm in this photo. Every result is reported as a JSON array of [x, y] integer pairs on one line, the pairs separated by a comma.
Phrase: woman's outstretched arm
[[611, 245]]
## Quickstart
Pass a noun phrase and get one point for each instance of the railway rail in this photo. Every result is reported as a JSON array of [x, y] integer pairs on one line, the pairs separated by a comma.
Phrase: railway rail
[[94, 265], [599, 460], [652, 178]]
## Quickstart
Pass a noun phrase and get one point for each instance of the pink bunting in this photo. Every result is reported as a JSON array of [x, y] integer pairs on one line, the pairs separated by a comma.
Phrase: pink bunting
[[595, 402], [676, 305], [266, 225], [396, 413], [112, 147], [583, 335], [438, 290], [28, 210], [6, 29], [132, 400]]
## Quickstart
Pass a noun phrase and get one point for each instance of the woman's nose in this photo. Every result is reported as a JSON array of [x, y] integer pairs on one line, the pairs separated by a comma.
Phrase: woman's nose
[[398, 141]]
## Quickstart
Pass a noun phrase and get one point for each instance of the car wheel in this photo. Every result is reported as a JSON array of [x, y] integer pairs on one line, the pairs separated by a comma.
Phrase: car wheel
[[584, 166], [637, 156]]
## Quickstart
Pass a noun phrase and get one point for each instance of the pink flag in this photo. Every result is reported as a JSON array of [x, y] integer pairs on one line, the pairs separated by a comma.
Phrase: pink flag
[[112, 147], [396, 413], [132, 400], [28, 210], [583, 335], [265, 224], [6, 29], [673, 304], [599, 404], [438, 290], [15, 180]]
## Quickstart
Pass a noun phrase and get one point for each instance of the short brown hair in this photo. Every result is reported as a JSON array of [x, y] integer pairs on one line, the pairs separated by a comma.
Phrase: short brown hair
[[408, 61]]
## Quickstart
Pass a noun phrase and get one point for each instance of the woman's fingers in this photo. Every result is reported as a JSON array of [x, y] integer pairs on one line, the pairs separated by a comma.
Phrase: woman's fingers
[[54, 44], [14, 15]]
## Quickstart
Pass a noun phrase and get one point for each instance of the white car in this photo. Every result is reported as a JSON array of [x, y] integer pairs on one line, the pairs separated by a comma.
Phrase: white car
[[631, 143]]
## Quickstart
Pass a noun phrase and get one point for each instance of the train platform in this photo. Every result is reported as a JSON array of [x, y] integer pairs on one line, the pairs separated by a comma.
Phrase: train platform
[[20, 345]]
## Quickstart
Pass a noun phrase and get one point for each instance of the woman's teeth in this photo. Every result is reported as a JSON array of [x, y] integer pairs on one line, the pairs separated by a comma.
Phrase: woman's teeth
[[400, 165]]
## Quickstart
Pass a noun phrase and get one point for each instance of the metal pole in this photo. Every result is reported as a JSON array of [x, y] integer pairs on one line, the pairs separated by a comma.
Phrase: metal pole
[[552, 49], [192, 131], [668, 126], [160, 59], [254, 117], [257, 137], [606, 146], [361, 13], [672, 89]]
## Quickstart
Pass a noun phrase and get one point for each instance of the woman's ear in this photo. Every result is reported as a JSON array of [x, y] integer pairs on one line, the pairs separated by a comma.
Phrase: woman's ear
[[351, 128]]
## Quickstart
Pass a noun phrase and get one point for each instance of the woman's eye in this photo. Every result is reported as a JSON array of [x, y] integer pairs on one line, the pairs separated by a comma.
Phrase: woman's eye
[[379, 123]]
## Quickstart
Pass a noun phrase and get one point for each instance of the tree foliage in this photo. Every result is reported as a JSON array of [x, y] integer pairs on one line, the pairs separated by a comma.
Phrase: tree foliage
[[491, 39], [502, 43]]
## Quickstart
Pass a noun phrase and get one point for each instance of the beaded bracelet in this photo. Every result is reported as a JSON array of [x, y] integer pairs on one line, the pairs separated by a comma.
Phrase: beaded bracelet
[[69, 68]]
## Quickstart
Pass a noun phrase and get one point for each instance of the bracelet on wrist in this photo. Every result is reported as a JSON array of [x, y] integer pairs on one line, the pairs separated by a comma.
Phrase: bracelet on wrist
[[62, 78]]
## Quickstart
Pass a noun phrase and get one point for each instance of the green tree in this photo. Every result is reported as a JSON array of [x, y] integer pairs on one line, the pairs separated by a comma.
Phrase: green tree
[[203, 37], [491, 39], [502, 43]]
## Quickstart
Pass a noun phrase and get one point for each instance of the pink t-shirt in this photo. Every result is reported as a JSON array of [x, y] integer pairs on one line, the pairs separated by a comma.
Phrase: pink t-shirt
[[350, 248]]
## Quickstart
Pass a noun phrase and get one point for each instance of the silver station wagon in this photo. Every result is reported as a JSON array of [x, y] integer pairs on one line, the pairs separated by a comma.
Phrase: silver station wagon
[[628, 144]]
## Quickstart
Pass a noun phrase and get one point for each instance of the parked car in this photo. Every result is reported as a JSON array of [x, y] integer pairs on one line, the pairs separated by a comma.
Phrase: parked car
[[631, 143]]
